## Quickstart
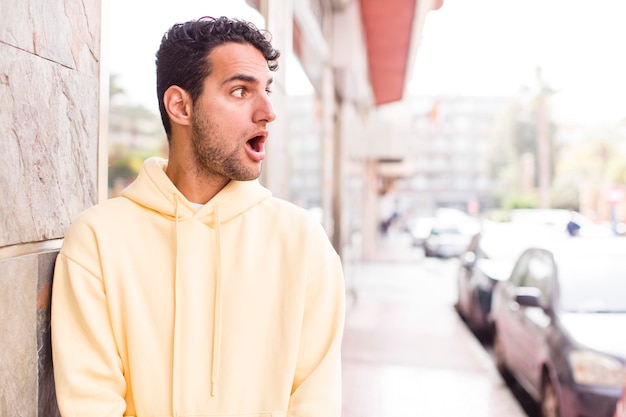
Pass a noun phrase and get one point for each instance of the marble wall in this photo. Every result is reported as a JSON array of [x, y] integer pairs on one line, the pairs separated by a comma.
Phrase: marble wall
[[49, 124]]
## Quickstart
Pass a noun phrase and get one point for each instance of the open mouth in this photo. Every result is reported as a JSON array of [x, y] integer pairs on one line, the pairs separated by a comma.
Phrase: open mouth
[[256, 143], [256, 147]]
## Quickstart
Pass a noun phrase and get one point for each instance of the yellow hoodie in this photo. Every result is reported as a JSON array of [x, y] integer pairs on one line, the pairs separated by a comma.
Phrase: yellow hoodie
[[161, 310]]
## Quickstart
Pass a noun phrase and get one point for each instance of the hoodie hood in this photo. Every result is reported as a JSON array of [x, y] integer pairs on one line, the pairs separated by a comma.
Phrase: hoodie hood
[[154, 190]]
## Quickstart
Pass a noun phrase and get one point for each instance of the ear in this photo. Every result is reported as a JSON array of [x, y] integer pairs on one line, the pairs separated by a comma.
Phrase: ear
[[178, 105]]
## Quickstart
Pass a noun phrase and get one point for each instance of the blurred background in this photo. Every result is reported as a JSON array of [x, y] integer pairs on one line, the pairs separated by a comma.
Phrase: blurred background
[[389, 111], [436, 141], [466, 158]]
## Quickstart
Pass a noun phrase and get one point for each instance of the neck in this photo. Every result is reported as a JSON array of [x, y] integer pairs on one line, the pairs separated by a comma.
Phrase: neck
[[192, 184]]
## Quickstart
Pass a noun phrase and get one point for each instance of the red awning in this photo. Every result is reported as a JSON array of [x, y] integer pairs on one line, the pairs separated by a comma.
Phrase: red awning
[[388, 26], [388, 29]]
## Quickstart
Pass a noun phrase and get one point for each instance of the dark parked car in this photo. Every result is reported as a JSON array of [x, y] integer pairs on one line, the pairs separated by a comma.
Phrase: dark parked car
[[559, 325], [488, 259]]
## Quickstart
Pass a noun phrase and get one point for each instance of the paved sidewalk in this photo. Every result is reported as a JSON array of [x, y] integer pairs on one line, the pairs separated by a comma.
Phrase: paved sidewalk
[[406, 352]]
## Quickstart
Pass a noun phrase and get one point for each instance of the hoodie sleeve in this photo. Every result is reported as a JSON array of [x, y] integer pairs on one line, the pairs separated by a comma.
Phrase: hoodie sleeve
[[317, 384], [87, 369]]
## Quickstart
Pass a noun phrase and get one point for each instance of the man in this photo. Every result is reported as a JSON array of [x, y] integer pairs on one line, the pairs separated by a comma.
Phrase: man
[[197, 293]]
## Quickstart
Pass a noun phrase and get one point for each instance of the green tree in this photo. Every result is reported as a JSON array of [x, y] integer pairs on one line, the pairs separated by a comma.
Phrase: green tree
[[596, 163], [134, 134]]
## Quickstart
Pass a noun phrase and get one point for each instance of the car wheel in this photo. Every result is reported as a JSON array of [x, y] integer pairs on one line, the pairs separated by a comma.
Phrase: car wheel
[[472, 321], [476, 321], [498, 352], [549, 401], [459, 305]]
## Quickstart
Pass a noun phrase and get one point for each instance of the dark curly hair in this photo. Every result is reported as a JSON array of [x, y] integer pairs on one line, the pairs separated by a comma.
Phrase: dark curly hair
[[183, 56]]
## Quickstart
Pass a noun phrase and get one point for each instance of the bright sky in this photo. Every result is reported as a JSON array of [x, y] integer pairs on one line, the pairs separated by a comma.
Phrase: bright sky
[[493, 47], [480, 47]]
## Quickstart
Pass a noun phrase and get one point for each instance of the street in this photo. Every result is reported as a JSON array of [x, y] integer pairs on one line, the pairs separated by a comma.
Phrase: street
[[407, 353]]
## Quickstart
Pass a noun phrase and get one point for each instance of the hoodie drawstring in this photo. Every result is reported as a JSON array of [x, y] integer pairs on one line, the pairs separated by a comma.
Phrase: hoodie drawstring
[[217, 305], [217, 314]]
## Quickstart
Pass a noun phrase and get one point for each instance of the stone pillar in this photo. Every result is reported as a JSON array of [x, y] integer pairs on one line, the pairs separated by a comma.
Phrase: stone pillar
[[49, 124]]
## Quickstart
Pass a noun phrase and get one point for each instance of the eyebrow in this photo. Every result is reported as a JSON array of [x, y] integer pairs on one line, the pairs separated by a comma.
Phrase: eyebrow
[[246, 78]]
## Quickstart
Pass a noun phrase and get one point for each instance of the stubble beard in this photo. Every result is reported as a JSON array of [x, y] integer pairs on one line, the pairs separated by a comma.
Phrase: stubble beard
[[213, 158]]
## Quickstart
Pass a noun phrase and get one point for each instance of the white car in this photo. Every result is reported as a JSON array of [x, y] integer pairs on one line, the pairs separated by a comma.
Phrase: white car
[[446, 241]]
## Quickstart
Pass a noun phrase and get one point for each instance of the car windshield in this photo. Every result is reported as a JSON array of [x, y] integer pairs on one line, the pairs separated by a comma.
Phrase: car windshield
[[445, 231], [506, 241], [501, 249], [593, 284]]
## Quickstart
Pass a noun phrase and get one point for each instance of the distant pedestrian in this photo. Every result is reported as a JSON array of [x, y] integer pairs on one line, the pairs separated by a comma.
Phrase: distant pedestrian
[[573, 228], [197, 293]]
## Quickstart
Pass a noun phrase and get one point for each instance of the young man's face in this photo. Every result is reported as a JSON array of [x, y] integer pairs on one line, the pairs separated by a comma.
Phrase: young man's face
[[230, 118]]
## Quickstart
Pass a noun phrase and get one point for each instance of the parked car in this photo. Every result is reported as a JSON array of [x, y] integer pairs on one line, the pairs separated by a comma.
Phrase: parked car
[[489, 259], [559, 325], [446, 241], [561, 220]]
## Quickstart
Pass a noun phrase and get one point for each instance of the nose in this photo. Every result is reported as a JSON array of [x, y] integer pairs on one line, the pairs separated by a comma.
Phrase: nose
[[264, 110]]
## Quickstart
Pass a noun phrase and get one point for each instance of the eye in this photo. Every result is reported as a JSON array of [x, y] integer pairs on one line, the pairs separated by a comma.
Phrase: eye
[[268, 91], [239, 92]]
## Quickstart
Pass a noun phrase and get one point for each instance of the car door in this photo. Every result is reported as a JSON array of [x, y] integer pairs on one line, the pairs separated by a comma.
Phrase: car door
[[505, 311], [534, 321]]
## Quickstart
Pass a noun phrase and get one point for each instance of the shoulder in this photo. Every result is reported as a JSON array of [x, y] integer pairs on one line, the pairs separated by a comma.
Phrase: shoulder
[[290, 212], [102, 212], [301, 224], [95, 221]]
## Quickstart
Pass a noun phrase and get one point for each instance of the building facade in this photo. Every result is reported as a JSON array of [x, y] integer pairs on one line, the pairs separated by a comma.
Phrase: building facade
[[451, 142]]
